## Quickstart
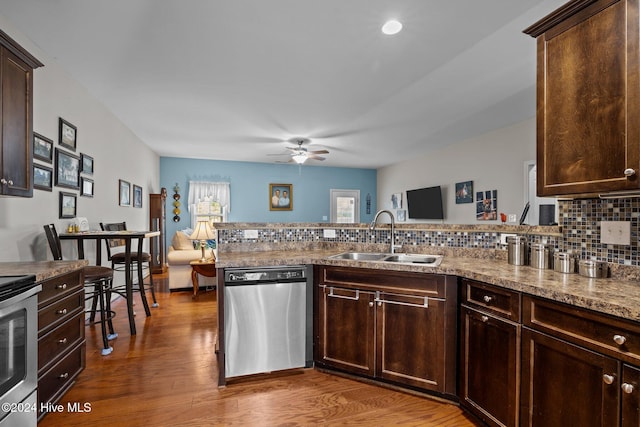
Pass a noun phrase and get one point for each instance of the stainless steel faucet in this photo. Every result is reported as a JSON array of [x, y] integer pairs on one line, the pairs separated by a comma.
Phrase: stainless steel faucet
[[372, 227]]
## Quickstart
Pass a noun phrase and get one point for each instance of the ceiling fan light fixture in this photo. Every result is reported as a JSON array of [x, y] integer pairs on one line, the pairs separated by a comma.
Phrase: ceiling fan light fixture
[[392, 27], [299, 158]]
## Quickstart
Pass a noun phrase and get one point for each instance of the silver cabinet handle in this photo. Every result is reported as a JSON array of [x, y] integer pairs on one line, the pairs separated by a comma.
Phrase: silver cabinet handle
[[62, 341], [487, 299], [63, 311], [627, 388], [370, 303], [63, 286], [3, 181], [629, 172], [64, 376], [608, 379], [484, 318], [619, 339], [356, 298]]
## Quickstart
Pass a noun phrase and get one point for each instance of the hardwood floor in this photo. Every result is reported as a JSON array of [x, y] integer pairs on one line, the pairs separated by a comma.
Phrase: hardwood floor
[[166, 375]]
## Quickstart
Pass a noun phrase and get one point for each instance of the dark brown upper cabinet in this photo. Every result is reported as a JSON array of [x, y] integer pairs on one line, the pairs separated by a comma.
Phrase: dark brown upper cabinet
[[588, 96], [16, 118]]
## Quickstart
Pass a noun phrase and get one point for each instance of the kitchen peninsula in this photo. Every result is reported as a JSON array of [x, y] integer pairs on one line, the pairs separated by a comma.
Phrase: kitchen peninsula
[[533, 318]]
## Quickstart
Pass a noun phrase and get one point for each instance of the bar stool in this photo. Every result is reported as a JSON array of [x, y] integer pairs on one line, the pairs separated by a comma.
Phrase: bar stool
[[118, 263], [97, 278]]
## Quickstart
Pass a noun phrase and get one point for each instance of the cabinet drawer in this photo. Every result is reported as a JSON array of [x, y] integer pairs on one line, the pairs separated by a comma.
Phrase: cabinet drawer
[[612, 336], [57, 380], [502, 302], [59, 286], [60, 311], [431, 285], [52, 345]]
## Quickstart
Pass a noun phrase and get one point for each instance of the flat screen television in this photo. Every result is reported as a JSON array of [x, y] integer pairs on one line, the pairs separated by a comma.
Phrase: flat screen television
[[425, 203]]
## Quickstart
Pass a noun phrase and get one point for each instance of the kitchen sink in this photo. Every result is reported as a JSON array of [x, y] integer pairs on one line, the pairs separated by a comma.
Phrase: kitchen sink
[[360, 256], [430, 260], [422, 259]]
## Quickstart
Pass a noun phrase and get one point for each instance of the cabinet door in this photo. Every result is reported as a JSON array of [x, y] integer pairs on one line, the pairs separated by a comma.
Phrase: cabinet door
[[567, 385], [346, 330], [16, 157], [411, 340], [489, 367], [630, 396], [588, 100]]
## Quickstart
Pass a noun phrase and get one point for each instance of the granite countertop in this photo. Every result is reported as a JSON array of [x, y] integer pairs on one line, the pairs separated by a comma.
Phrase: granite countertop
[[43, 270], [616, 297]]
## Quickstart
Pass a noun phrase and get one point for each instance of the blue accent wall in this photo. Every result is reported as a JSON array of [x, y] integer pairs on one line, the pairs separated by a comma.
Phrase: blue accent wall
[[250, 189]]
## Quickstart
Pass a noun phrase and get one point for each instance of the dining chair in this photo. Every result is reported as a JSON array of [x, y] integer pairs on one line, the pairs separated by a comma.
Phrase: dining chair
[[98, 281], [118, 262]]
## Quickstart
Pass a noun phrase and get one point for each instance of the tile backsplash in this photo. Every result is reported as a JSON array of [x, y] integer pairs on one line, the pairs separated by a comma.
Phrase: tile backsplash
[[580, 224]]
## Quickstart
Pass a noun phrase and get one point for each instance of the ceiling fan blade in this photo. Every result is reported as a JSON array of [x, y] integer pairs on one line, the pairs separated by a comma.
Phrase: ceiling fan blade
[[318, 152], [316, 157]]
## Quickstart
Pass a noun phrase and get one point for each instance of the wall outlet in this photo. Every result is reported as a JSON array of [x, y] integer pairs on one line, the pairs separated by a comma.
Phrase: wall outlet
[[615, 232], [250, 234], [503, 237], [329, 233], [512, 218]]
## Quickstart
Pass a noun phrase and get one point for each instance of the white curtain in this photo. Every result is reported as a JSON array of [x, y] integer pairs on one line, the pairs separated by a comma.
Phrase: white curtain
[[217, 191]]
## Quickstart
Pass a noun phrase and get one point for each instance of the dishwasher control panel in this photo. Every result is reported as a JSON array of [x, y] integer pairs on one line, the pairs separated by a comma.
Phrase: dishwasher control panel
[[266, 274]]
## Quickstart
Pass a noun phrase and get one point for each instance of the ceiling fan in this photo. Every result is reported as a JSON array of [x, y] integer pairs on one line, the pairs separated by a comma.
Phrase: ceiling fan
[[300, 154]]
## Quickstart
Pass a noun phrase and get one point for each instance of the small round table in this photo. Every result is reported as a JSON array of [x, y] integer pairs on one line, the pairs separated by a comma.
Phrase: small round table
[[206, 268]]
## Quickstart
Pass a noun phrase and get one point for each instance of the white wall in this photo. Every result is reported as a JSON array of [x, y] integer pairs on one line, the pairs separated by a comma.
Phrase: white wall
[[117, 153], [493, 161]]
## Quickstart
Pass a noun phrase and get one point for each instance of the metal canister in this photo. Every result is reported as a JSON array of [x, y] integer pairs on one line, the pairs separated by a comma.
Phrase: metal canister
[[541, 256], [591, 268], [517, 250], [564, 262]]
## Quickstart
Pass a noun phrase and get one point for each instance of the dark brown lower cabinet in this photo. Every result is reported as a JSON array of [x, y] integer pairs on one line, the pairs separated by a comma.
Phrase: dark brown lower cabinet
[[630, 396], [489, 367], [347, 330], [567, 385], [391, 326]]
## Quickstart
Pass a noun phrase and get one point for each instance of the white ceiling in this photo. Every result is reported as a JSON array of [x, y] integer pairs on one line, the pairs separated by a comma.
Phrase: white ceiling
[[236, 79]]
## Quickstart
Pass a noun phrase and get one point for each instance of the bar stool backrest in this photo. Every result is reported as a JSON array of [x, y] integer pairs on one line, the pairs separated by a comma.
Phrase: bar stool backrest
[[113, 243], [54, 241]]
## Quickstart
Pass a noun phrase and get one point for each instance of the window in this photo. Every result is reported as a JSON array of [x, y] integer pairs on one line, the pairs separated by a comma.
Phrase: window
[[210, 199]]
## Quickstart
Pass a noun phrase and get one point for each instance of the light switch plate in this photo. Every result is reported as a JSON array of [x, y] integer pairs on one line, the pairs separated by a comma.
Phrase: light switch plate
[[329, 233], [250, 234], [615, 232]]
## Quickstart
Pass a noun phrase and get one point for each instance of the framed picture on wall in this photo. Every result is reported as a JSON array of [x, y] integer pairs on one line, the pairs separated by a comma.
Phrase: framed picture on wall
[[137, 196], [124, 193], [42, 177], [67, 134], [67, 170], [67, 205], [280, 197], [87, 164], [42, 148], [87, 187], [464, 192]]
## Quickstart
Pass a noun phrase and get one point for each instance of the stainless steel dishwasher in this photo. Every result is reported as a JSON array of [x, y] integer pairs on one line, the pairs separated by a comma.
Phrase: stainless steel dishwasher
[[267, 322]]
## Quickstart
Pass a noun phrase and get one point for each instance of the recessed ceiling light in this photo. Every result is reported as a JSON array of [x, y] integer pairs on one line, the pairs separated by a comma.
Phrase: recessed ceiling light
[[392, 27]]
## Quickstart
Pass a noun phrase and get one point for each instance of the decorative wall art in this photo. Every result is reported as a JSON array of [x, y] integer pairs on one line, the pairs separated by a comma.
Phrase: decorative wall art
[[42, 148], [280, 197], [124, 193], [67, 134], [86, 187], [42, 177], [67, 205], [396, 201], [87, 164], [176, 203], [487, 205], [137, 196], [67, 170], [464, 192]]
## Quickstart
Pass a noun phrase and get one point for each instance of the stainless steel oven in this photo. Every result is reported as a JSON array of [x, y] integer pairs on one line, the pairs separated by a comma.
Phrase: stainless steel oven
[[18, 350]]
